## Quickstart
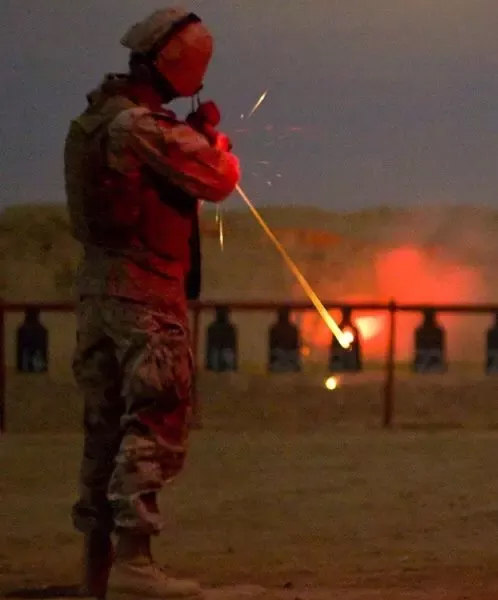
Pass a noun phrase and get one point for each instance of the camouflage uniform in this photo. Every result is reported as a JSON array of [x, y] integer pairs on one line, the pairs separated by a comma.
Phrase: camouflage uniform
[[134, 365], [133, 359]]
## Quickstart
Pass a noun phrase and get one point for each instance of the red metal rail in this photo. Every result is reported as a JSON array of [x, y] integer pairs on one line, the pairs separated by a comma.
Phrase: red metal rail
[[256, 306]]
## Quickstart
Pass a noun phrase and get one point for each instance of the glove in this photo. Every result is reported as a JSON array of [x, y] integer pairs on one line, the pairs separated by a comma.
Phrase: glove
[[205, 120], [207, 112]]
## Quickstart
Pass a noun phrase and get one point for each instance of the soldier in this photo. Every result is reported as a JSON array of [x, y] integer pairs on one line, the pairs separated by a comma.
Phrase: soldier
[[134, 175]]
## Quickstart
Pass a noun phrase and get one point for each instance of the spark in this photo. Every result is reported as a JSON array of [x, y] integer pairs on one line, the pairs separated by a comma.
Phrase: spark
[[258, 104], [317, 303], [222, 237], [219, 221]]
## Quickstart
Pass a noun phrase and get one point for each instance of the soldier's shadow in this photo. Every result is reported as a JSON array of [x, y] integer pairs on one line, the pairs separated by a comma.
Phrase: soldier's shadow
[[47, 591]]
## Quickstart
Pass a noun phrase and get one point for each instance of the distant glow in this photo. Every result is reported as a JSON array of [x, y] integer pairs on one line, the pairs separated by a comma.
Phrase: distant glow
[[369, 326], [331, 383]]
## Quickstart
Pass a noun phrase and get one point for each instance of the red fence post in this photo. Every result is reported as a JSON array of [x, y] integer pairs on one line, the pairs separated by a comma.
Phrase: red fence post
[[3, 382], [196, 408], [390, 368]]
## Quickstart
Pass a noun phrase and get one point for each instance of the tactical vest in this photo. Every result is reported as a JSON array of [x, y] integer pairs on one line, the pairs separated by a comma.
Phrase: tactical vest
[[131, 224]]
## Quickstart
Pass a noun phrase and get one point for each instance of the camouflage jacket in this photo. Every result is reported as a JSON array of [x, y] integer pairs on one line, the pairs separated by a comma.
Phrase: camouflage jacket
[[134, 175]]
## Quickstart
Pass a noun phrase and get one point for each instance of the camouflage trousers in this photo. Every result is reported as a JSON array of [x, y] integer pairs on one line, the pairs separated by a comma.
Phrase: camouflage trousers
[[134, 366]]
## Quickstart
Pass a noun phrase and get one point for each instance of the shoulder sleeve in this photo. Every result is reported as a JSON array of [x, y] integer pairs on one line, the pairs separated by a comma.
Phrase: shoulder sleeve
[[176, 151]]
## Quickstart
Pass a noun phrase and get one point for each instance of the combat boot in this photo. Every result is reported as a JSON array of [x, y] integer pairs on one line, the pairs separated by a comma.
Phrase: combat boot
[[136, 575]]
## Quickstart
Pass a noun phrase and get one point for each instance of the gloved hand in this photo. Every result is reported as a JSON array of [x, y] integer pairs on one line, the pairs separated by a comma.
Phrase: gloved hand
[[205, 120]]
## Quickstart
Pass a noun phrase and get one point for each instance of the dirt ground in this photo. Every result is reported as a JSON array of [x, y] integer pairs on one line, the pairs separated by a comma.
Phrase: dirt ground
[[295, 403], [401, 515]]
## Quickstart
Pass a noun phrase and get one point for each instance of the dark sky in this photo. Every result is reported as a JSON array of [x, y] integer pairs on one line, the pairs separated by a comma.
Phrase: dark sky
[[370, 101]]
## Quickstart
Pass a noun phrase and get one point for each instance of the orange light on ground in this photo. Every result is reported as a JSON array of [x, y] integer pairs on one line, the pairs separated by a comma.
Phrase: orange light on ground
[[305, 351], [331, 383]]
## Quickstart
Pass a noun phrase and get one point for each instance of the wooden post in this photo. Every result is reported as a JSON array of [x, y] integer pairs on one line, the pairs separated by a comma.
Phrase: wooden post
[[387, 420]]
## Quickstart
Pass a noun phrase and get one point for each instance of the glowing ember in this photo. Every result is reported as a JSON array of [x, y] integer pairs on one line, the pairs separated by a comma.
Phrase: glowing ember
[[331, 383]]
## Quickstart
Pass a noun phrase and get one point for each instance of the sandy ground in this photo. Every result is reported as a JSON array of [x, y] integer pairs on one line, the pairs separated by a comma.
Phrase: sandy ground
[[290, 489], [325, 514], [289, 403]]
